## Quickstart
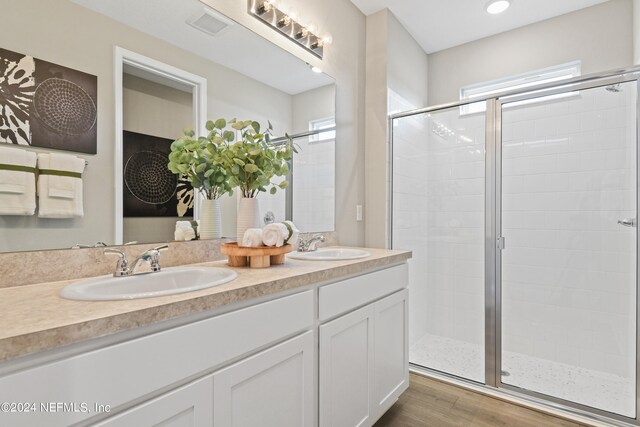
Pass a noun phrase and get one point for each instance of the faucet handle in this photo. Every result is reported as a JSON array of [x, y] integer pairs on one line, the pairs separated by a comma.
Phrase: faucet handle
[[122, 267], [154, 257]]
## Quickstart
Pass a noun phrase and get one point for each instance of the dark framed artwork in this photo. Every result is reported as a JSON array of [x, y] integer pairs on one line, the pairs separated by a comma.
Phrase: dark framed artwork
[[150, 189], [47, 105]]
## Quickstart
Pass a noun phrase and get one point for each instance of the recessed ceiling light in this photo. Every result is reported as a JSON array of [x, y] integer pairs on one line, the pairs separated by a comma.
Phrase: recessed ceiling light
[[497, 6], [316, 70]]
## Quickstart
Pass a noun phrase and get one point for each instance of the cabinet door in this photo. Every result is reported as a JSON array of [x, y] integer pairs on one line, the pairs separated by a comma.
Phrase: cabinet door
[[188, 406], [273, 388], [391, 354], [346, 359]]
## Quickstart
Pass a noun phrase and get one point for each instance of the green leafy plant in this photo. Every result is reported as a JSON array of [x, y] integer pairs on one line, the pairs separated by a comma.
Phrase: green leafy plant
[[252, 161], [203, 162]]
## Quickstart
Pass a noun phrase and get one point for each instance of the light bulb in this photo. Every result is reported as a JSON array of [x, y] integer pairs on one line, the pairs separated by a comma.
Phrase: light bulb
[[302, 33], [264, 8], [284, 21], [497, 6]]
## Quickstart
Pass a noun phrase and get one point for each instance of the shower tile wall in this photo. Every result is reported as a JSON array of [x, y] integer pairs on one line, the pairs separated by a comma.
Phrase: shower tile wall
[[409, 217], [314, 185], [568, 278], [438, 191], [410, 213]]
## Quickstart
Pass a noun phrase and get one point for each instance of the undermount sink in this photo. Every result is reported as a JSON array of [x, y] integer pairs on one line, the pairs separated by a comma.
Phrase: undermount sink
[[330, 254], [166, 282]]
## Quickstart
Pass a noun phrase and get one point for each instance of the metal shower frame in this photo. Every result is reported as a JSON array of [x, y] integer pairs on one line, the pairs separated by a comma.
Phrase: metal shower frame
[[493, 225]]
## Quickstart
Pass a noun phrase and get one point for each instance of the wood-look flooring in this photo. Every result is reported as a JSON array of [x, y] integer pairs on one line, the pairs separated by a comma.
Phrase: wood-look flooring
[[432, 403]]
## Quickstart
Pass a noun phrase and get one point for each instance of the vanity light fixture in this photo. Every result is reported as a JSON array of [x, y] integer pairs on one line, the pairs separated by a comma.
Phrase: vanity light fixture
[[285, 21], [318, 43], [265, 7], [495, 7], [282, 22], [302, 33]]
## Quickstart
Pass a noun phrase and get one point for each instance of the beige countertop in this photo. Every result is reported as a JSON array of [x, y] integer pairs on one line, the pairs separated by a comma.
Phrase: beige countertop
[[34, 318]]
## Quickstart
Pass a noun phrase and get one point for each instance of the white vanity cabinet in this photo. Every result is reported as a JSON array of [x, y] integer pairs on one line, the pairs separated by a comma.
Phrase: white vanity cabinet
[[155, 367], [254, 365], [270, 389], [363, 353]]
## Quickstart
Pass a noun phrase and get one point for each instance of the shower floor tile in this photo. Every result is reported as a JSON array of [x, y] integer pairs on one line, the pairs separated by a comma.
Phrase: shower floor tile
[[597, 389]]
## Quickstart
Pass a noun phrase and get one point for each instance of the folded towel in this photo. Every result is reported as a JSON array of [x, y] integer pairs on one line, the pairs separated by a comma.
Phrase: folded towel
[[279, 234], [252, 237], [60, 186], [17, 181], [184, 231], [294, 232]]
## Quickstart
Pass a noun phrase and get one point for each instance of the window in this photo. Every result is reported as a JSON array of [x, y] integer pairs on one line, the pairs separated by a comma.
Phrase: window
[[321, 124], [521, 81]]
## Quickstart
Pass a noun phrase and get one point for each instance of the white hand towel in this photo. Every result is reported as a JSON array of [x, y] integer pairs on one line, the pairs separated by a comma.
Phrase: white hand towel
[[60, 196], [17, 188], [279, 234], [294, 232], [252, 237], [184, 231]]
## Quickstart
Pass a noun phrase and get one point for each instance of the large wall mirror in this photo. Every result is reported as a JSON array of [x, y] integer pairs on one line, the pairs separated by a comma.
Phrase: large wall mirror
[[246, 77]]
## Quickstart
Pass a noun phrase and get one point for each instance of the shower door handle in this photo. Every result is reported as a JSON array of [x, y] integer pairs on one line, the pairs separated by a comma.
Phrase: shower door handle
[[627, 222]]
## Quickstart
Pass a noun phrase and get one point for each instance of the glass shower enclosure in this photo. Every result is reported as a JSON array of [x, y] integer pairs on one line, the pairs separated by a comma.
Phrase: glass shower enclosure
[[521, 212]]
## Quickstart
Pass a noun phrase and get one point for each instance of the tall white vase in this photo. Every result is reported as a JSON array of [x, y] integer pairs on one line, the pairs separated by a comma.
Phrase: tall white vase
[[248, 216], [210, 221]]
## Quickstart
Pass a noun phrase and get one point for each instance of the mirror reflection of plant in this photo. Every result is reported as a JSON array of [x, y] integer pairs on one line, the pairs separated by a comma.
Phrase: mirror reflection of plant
[[253, 160], [202, 162]]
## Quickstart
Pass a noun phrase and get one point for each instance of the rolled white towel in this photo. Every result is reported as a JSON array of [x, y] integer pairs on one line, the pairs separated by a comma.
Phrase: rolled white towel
[[252, 237], [279, 234], [294, 232], [184, 231]]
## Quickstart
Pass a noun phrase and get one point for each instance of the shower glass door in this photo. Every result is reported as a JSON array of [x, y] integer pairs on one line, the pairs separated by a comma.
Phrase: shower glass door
[[439, 214], [568, 216]]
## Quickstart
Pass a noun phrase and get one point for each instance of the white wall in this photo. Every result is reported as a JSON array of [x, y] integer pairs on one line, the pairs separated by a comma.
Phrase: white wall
[[636, 32], [344, 60], [70, 35], [395, 63], [600, 36]]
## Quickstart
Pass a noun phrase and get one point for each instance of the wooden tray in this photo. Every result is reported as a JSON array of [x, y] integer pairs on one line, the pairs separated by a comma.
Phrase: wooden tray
[[260, 257]]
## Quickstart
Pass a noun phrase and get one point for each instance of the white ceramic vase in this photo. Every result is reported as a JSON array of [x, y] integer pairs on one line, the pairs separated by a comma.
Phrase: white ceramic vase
[[248, 216], [210, 221]]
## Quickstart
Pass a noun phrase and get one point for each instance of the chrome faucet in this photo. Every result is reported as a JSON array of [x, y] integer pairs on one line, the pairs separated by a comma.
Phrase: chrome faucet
[[309, 245], [82, 246], [152, 257], [122, 267]]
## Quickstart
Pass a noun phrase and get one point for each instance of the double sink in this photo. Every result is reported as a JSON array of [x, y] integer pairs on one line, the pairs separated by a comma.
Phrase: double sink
[[180, 279]]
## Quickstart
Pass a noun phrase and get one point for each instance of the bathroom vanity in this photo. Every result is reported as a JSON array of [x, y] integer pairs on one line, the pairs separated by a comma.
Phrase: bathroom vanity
[[308, 343]]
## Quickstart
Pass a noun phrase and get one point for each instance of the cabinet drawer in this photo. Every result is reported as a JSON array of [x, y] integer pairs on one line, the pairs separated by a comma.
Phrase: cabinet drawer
[[344, 296], [124, 372], [191, 405]]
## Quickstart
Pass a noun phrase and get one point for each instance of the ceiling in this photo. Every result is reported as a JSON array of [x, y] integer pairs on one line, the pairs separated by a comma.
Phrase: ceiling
[[236, 47], [441, 24]]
